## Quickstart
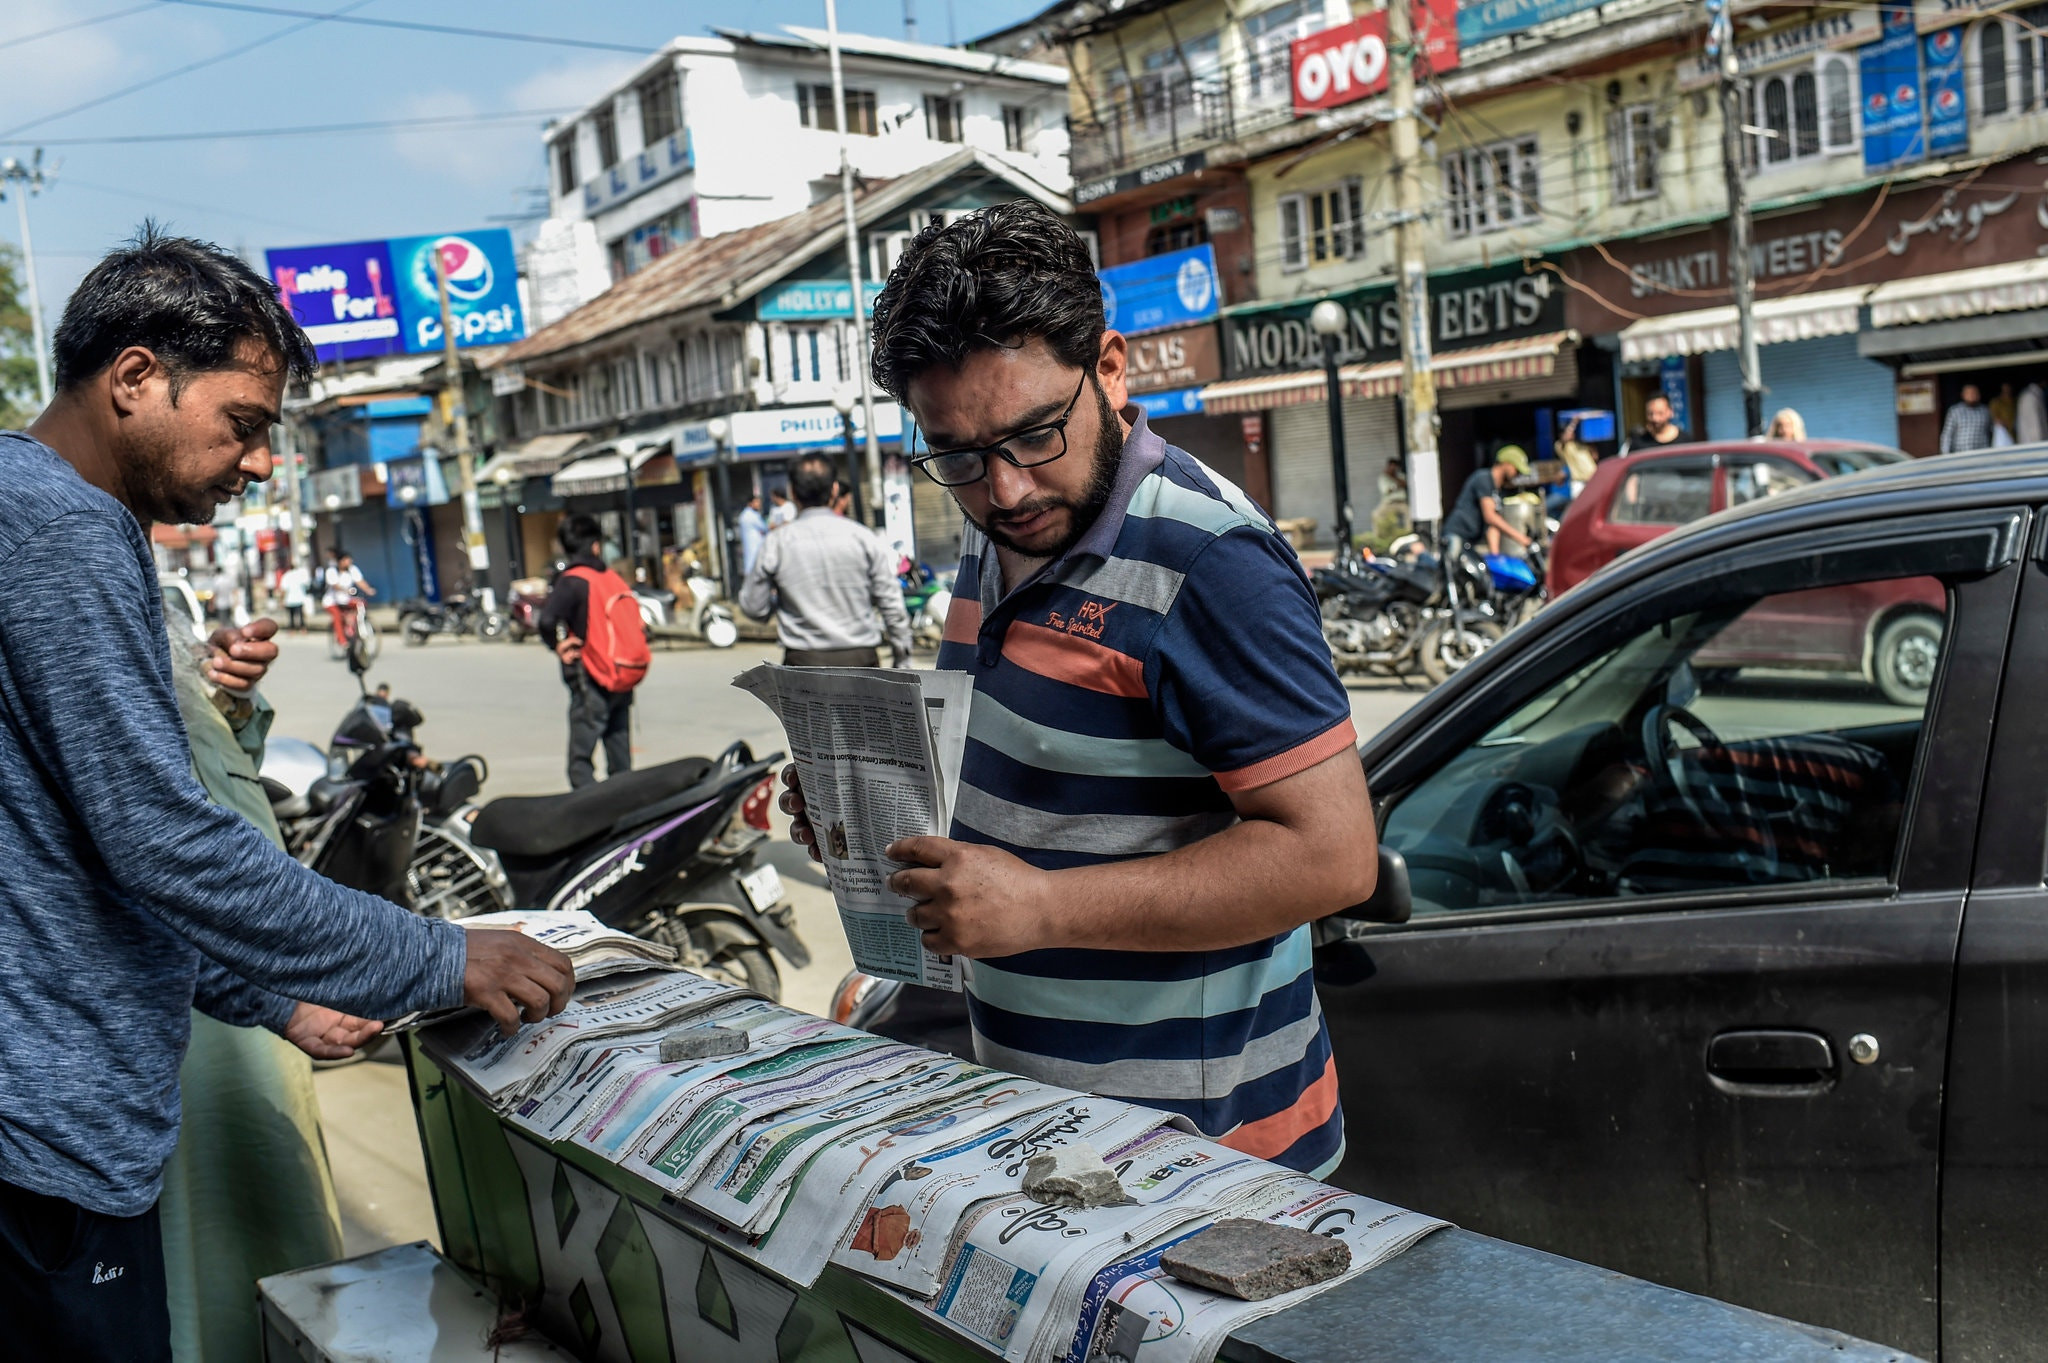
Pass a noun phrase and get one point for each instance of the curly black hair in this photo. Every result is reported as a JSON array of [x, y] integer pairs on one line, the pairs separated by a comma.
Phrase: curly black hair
[[998, 277], [189, 302]]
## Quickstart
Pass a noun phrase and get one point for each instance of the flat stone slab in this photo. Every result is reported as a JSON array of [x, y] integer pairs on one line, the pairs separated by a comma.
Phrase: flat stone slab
[[1255, 1260], [701, 1043], [1073, 1176]]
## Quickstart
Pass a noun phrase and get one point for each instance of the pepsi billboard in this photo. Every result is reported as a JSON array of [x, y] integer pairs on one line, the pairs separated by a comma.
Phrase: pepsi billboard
[[1894, 132], [363, 299], [1948, 124]]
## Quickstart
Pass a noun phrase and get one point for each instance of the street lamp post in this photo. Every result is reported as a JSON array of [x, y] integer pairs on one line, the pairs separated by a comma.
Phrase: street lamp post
[[1329, 321], [515, 562], [720, 431], [627, 449], [26, 180], [844, 399]]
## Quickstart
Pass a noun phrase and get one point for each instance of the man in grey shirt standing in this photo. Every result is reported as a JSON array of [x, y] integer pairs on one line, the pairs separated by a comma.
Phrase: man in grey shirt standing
[[832, 580], [130, 897]]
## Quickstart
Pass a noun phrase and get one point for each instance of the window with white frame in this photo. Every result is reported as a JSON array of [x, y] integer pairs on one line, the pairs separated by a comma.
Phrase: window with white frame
[[1020, 126], [1326, 225], [1804, 112], [812, 355], [2007, 58], [1493, 187], [1268, 37], [565, 164], [1634, 144], [942, 118], [816, 108]]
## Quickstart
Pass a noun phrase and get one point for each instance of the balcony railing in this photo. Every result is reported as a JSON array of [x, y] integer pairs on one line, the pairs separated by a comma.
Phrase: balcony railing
[[1170, 113]]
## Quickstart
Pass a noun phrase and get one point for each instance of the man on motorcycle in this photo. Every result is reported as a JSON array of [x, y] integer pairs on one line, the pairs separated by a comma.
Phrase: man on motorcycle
[[130, 896], [1162, 790], [341, 583]]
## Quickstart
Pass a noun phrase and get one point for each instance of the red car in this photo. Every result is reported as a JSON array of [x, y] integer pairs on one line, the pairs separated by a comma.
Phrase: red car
[[1890, 635]]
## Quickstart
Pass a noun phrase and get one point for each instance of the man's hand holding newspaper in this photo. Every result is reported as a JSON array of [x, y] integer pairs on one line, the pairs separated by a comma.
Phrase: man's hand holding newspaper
[[877, 757]]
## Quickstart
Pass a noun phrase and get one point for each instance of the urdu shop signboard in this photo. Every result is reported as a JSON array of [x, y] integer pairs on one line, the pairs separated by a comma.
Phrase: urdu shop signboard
[[362, 299]]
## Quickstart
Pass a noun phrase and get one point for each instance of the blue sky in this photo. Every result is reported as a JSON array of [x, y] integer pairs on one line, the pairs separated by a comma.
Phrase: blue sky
[[252, 193]]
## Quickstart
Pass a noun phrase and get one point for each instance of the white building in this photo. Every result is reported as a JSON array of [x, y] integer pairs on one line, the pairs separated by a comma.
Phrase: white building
[[716, 134]]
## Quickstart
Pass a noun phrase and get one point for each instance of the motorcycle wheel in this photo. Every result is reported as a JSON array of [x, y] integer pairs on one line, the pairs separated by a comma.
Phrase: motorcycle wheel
[[716, 954], [1446, 649], [493, 625], [417, 632], [720, 631]]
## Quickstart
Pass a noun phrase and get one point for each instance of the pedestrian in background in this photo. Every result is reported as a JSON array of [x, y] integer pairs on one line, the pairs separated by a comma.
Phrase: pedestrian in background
[[1580, 462], [1658, 428], [753, 531], [781, 510], [592, 623], [341, 583], [295, 584], [1788, 425], [1968, 424], [2030, 416], [829, 581], [2005, 408]]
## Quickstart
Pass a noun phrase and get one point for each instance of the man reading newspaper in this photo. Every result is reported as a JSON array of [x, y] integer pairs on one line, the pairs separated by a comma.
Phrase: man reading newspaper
[[1160, 789]]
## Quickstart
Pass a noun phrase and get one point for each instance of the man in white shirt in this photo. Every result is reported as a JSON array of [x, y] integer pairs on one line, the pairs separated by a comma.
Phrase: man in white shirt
[[294, 584], [341, 583]]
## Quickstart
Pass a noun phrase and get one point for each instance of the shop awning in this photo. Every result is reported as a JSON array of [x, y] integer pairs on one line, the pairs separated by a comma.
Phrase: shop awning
[[535, 458], [601, 473], [2013, 287], [1802, 317], [1528, 358]]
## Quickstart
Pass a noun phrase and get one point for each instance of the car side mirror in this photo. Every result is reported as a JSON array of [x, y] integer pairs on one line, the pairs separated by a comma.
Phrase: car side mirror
[[1393, 900]]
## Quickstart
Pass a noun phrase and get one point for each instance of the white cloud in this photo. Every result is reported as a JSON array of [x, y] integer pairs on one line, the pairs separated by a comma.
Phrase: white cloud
[[500, 154]]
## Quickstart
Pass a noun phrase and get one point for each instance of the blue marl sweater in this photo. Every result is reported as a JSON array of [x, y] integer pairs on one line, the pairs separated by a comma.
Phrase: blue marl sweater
[[126, 896]]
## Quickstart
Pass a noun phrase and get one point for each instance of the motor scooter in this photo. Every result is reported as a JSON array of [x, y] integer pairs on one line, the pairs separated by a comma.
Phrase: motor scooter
[[522, 613]]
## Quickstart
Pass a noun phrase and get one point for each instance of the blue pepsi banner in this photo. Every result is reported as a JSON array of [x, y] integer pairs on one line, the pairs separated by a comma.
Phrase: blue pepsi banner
[[1894, 132], [1161, 291], [1948, 124], [1498, 18], [362, 299]]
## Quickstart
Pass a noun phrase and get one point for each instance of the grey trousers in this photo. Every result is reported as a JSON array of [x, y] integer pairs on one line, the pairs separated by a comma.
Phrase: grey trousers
[[595, 715]]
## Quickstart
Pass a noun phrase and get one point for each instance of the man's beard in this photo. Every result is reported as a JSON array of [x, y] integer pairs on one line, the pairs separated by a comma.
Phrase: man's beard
[[1082, 513], [154, 489]]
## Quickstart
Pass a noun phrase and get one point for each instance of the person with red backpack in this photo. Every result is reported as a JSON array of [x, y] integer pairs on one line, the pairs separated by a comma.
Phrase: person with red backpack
[[592, 621]]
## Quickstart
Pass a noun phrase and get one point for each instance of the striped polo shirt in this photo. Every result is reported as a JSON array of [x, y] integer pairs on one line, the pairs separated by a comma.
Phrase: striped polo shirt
[[1173, 656]]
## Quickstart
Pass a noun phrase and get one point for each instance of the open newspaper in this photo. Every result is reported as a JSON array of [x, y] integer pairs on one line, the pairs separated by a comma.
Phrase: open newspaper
[[878, 752], [593, 948]]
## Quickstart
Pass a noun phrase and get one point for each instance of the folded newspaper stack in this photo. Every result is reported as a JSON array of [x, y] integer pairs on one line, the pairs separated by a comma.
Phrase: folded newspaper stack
[[878, 752], [820, 1144], [594, 949]]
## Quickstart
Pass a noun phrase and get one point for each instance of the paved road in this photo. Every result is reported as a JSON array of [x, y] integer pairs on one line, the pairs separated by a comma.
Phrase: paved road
[[505, 701]]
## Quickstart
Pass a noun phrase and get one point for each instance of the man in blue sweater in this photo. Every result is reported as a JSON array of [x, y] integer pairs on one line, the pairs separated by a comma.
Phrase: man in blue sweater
[[129, 897]]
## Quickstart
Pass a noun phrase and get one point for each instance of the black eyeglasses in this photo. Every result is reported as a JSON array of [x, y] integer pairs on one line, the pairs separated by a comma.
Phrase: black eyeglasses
[[1025, 449]]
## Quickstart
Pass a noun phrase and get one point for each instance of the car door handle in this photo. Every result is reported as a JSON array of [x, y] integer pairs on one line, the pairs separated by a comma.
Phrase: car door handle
[[1773, 1061]]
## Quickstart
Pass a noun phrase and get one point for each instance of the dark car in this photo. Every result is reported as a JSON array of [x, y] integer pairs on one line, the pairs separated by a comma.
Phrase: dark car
[[1736, 977]]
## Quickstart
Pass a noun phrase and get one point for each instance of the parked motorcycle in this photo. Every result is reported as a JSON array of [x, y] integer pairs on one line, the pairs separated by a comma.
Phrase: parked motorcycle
[[458, 615], [927, 596], [704, 616], [1375, 614], [668, 853], [522, 616], [1517, 586]]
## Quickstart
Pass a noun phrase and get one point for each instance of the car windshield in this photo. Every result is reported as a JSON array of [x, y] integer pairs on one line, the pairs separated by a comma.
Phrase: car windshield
[[1837, 463]]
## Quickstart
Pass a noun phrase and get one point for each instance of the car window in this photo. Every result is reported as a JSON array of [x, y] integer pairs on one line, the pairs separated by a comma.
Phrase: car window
[[1766, 742], [1663, 492], [1753, 479], [1839, 463]]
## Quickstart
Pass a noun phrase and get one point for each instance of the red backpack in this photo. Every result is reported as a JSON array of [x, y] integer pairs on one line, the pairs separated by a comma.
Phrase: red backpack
[[615, 642]]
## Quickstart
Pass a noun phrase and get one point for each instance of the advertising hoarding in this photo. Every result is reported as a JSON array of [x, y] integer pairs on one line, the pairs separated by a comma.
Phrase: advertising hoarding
[[1948, 123], [363, 299], [1349, 62], [1498, 18], [1161, 291], [1893, 134]]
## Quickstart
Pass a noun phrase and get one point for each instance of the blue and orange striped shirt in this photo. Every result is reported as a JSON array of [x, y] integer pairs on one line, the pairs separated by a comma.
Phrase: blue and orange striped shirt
[[1173, 656]]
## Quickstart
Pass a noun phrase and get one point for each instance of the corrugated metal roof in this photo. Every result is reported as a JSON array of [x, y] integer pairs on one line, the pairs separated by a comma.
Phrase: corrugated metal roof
[[724, 270]]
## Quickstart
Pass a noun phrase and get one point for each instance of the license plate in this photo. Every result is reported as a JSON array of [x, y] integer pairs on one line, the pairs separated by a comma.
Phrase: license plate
[[763, 885]]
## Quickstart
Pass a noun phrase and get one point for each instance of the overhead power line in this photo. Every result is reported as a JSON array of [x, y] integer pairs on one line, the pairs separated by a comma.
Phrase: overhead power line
[[187, 69], [639, 49], [75, 23], [307, 130]]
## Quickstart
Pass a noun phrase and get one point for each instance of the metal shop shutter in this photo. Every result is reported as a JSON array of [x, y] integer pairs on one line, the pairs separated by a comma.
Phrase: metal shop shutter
[[1300, 461], [1842, 395]]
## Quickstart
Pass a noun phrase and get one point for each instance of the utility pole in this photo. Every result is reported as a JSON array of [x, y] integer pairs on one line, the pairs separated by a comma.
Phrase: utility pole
[[1742, 267], [458, 414], [873, 472], [909, 21], [27, 180], [1418, 382]]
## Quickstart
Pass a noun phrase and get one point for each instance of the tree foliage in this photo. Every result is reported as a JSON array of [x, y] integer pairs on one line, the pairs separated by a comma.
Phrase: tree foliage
[[18, 402]]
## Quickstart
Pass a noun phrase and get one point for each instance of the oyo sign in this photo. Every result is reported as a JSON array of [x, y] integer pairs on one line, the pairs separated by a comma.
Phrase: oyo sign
[[1349, 62]]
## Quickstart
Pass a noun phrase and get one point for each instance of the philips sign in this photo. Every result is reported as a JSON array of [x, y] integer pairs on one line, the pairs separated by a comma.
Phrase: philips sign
[[369, 298]]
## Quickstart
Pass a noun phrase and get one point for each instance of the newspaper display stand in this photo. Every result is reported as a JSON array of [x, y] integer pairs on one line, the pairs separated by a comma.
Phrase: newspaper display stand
[[612, 1272]]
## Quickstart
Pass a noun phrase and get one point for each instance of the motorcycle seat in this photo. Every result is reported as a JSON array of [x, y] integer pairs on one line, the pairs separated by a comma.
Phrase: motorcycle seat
[[543, 825]]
